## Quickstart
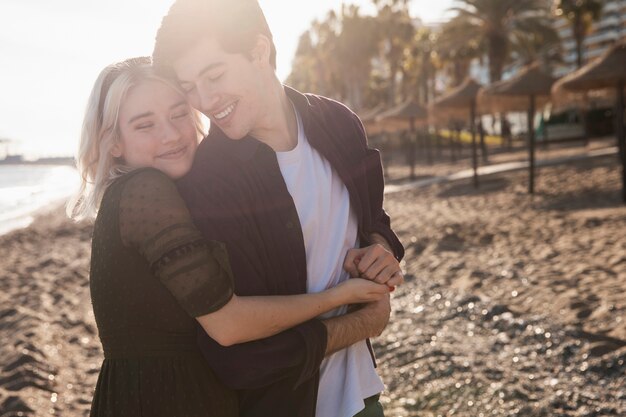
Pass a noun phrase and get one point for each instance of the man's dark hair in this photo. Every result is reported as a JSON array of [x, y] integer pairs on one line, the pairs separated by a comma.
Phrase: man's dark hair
[[235, 24]]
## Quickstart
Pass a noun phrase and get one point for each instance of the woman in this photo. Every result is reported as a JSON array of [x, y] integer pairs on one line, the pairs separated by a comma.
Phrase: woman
[[151, 271]]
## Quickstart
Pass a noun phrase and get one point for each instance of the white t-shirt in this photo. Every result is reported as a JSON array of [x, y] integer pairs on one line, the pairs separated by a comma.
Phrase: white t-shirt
[[329, 228]]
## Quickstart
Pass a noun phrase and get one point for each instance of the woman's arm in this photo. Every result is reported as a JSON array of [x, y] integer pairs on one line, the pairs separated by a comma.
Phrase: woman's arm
[[244, 319], [155, 221]]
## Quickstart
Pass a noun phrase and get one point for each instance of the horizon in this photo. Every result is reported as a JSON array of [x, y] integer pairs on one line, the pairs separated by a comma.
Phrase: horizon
[[56, 50]]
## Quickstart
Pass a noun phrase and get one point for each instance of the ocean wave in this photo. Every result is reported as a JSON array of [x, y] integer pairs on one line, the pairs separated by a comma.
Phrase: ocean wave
[[26, 189]]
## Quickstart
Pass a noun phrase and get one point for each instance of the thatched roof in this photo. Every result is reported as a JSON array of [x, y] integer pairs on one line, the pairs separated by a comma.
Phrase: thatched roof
[[604, 72], [402, 116], [462, 96], [369, 115], [405, 111], [444, 116], [455, 104], [491, 104], [563, 99], [375, 125], [530, 80], [513, 94]]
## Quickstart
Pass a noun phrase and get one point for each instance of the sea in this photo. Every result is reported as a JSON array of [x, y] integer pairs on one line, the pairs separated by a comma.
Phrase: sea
[[27, 189]]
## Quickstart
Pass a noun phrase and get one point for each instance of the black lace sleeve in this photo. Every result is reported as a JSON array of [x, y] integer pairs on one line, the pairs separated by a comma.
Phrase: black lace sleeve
[[155, 221]]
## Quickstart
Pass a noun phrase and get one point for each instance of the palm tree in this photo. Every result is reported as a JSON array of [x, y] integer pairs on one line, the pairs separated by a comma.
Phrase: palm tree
[[580, 14], [420, 64], [499, 25], [456, 50], [334, 56], [356, 46], [395, 32], [302, 76], [315, 67]]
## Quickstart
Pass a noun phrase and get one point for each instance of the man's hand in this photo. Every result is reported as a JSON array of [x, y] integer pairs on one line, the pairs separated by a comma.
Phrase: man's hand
[[374, 263]]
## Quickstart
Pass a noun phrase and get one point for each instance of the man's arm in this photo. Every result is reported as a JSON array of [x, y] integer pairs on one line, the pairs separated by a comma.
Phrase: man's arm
[[380, 240], [346, 330]]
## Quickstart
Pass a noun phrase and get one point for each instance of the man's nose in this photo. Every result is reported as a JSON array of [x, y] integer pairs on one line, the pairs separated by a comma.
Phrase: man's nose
[[207, 100]]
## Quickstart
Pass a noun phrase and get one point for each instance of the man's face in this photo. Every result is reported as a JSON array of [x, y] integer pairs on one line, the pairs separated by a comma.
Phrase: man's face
[[226, 87]]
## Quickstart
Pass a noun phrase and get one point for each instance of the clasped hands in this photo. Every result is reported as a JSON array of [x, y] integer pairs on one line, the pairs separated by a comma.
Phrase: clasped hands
[[375, 263]]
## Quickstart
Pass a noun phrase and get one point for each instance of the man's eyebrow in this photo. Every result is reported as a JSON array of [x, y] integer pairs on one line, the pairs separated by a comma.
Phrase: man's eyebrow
[[139, 116], [203, 71]]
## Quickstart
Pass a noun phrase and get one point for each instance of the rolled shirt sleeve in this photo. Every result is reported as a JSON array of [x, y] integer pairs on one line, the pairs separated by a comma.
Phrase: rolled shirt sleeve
[[294, 355]]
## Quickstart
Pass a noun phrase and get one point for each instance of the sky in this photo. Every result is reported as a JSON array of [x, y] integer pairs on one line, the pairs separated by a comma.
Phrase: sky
[[52, 51]]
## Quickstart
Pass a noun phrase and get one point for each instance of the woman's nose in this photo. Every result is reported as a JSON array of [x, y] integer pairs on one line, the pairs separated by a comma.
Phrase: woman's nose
[[171, 133]]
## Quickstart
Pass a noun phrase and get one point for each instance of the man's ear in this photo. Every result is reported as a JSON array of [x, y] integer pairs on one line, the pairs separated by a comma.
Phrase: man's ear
[[261, 51]]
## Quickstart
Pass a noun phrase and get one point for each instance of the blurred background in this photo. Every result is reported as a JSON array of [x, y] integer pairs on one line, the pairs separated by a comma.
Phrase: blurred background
[[501, 129], [373, 55]]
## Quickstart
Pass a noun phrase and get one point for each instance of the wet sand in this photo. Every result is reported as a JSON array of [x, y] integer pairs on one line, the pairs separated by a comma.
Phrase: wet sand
[[514, 305]]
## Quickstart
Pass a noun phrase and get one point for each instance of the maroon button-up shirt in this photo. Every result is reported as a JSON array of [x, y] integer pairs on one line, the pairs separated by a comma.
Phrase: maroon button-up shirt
[[237, 195]]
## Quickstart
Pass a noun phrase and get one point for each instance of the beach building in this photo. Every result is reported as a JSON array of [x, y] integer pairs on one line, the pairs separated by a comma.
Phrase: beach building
[[610, 28]]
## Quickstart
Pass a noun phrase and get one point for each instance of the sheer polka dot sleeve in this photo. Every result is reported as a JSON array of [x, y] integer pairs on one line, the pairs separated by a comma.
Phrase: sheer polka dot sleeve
[[155, 221]]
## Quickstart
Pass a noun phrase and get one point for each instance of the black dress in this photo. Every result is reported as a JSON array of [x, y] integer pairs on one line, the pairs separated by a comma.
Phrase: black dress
[[151, 274]]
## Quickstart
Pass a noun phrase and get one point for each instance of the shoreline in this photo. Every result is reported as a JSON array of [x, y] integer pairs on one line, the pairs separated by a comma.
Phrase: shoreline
[[29, 191], [29, 217], [63, 161]]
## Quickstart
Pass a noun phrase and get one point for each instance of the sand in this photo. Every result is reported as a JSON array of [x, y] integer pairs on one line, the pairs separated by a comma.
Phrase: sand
[[514, 305], [50, 350]]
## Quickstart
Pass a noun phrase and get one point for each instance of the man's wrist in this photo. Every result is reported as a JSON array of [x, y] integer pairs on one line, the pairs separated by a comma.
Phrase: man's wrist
[[376, 238], [345, 330]]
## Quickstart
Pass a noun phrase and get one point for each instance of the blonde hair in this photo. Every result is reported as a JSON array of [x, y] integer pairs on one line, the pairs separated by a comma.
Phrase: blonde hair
[[97, 167]]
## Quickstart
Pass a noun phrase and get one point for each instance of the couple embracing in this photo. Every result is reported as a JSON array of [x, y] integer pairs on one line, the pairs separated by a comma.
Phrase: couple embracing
[[241, 276]]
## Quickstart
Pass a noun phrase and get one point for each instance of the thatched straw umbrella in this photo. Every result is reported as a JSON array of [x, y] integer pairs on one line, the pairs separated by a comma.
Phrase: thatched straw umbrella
[[607, 72], [564, 99], [446, 118], [462, 97], [368, 118], [408, 115], [582, 101], [529, 88]]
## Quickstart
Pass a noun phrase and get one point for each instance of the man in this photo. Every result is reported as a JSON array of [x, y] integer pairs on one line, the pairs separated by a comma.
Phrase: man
[[287, 182]]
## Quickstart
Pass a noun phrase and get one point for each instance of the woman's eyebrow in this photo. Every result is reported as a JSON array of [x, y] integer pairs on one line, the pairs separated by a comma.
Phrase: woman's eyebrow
[[180, 103], [139, 116]]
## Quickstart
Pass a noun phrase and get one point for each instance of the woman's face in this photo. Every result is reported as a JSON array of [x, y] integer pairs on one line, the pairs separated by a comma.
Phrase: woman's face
[[157, 129]]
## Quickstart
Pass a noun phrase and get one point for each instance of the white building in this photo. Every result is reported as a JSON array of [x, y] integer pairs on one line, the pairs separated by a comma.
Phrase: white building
[[605, 32]]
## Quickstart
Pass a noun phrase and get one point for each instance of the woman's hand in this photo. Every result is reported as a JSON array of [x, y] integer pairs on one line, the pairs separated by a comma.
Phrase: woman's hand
[[358, 290]]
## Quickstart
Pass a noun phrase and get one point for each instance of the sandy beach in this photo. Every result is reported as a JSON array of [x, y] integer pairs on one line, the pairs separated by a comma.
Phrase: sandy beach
[[514, 305]]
